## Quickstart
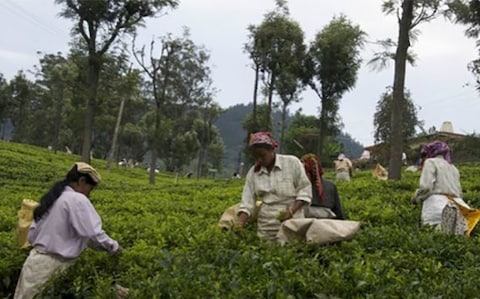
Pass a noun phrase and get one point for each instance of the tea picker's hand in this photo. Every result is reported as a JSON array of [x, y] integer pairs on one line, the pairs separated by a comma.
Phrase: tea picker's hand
[[285, 215]]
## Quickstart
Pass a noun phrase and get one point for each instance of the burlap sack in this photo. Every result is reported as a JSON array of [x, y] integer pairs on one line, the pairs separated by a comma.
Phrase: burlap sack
[[318, 231], [229, 217], [380, 172]]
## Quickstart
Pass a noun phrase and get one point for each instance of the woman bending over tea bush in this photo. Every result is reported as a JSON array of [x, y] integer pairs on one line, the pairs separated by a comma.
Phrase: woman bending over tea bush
[[440, 192], [278, 181], [65, 223]]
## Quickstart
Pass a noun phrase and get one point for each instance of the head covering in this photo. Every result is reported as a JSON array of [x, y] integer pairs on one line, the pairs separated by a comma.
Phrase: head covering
[[85, 168], [341, 157], [314, 171], [436, 148], [262, 138]]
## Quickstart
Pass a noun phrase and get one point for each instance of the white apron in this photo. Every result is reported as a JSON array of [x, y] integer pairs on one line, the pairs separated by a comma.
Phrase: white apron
[[36, 271]]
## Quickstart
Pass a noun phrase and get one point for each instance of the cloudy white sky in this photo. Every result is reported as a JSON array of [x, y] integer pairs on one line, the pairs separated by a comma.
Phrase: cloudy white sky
[[440, 82]]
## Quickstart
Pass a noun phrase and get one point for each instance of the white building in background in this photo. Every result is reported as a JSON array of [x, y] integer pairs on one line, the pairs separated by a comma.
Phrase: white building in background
[[446, 127]]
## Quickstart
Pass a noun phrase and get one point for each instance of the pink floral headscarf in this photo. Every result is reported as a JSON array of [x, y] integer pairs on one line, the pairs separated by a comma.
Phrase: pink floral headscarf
[[262, 138]]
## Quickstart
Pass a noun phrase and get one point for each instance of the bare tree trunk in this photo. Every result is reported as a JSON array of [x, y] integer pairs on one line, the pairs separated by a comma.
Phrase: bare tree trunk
[[322, 127], [160, 101], [396, 141], [199, 162], [111, 153], [93, 77], [153, 157], [282, 129], [269, 108], [255, 94], [58, 123]]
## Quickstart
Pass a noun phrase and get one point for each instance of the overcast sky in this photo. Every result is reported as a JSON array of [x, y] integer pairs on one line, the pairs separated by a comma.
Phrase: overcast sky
[[439, 83]]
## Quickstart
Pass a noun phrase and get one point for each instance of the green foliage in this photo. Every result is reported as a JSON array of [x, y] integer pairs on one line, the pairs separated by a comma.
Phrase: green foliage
[[466, 12], [173, 249], [331, 68], [382, 117], [302, 135], [101, 24], [277, 50], [184, 110], [23, 94]]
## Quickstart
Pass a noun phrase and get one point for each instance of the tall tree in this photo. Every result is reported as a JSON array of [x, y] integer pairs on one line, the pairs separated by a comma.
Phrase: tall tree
[[113, 82], [274, 44], [206, 132], [24, 97], [5, 101], [382, 118], [179, 79], [101, 24], [54, 76], [251, 48], [467, 12], [332, 64], [413, 12], [158, 69], [289, 85]]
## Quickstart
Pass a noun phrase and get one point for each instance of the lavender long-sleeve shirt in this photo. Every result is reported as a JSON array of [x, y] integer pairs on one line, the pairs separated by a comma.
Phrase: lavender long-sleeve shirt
[[71, 225]]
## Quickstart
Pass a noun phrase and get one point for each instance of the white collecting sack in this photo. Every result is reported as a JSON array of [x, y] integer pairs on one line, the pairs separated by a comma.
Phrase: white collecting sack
[[318, 231]]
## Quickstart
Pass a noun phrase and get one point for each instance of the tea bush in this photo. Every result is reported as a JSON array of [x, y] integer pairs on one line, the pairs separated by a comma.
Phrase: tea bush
[[173, 248]]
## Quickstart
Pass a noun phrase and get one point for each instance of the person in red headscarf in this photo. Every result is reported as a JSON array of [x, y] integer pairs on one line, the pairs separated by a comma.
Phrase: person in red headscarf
[[325, 198], [278, 181]]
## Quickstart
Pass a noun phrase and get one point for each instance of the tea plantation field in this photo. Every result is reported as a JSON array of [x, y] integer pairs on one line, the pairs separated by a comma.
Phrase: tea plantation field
[[173, 249]]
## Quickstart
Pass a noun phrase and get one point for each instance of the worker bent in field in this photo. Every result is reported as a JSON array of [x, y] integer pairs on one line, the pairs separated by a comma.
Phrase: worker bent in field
[[278, 181], [343, 168], [440, 192], [65, 224]]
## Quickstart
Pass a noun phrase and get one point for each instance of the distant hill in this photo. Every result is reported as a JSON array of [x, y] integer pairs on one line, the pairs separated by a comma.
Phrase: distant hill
[[352, 148], [230, 125]]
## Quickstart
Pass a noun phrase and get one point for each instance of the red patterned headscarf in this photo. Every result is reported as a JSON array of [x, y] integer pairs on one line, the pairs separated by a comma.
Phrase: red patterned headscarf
[[259, 139], [262, 138], [314, 171], [435, 148]]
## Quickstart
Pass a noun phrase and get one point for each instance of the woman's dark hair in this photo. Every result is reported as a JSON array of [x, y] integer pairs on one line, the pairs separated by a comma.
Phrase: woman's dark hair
[[49, 198]]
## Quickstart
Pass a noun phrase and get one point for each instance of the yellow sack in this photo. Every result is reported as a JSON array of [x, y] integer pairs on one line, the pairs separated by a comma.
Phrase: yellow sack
[[229, 217], [472, 216], [380, 172], [25, 218]]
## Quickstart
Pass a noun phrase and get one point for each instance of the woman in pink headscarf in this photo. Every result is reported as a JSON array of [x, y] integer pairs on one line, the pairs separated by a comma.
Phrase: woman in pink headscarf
[[278, 181], [439, 183]]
